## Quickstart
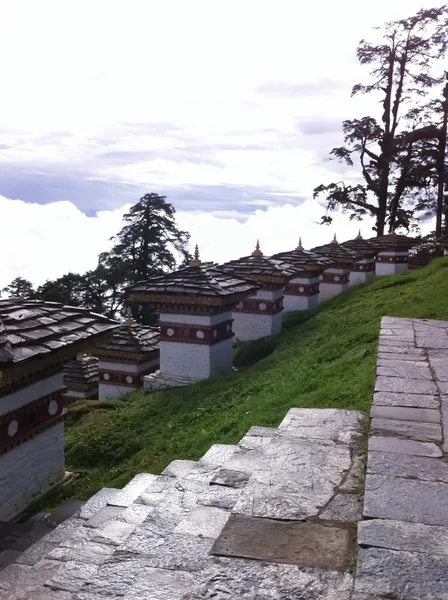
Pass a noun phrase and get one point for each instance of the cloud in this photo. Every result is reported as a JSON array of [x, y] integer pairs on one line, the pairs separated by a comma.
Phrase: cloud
[[304, 88]]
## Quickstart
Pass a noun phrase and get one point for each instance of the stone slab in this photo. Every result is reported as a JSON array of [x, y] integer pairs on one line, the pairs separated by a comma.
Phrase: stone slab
[[405, 386], [114, 532], [231, 478], [220, 497], [99, 500], [425, 432], [440, 370], [21, 576], [180, 468], [296, 479], [90, 553], [406, 413], [402, 575], [437, 342], [295, 543], [72, 576], [410, 400], [353, 480], [324, 423], [217, 455], [406, 500], [105, 514], [406, 370], [36, 593], [443, 386], [343, 507], [203, 521], [399, 535], [410, 467], [445, 422], [136, 514], [155, 584], [401, 350], [133, 489], [401, 446], [36, 552]]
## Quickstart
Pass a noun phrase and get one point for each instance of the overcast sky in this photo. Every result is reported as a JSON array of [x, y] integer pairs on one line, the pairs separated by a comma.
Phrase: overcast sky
[[229, 108]]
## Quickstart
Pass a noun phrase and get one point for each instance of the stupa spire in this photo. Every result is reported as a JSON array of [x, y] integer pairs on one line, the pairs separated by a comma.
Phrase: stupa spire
[[359, 236], [196, 262], [257, 251], [129, 320], [299, 246], [334, 240]]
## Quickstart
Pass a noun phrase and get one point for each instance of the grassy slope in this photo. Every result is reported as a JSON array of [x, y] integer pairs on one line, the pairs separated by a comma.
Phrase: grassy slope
[[324, 358]]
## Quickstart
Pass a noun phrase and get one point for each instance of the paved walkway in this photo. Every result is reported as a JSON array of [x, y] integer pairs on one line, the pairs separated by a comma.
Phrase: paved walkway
[[404, 537], [274, 518], [271, 518]]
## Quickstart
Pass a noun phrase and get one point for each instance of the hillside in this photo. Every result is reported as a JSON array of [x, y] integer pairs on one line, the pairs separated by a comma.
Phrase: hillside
[[323, 358]]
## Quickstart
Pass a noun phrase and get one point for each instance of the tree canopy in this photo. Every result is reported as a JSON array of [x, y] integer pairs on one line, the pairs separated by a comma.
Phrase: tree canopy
[[396, 152]]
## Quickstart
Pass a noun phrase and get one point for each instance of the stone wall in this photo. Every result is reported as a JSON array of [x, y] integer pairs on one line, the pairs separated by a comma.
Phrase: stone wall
[[27, 471]]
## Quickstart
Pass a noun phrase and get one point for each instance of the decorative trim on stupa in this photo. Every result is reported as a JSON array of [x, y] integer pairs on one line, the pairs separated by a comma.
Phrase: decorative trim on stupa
[[392, 253], [363, 269], [36, 338], [196, 333]]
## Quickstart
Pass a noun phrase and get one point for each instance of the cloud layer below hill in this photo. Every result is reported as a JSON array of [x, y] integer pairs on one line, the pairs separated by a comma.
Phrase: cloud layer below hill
[[42, 242]]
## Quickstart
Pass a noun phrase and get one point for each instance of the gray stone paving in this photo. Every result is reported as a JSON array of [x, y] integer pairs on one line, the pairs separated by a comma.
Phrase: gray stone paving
[[403, 544], [271, 518]]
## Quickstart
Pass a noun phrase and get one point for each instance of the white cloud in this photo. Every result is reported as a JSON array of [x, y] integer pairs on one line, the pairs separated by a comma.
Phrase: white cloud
[[44, 242]]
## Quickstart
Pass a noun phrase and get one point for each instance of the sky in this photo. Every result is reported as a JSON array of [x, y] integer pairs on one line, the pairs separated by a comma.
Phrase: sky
[[228, 108]]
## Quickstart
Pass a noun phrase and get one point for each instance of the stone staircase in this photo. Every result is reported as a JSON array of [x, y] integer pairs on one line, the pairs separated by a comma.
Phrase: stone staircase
[[271, 518]]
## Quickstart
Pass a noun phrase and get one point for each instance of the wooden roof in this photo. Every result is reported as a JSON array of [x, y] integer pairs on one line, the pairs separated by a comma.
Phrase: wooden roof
[[260, 269], [132, 338], [83, 370], [192, 285], [304, 260], [393, 241], [32, 328], [338, 252]]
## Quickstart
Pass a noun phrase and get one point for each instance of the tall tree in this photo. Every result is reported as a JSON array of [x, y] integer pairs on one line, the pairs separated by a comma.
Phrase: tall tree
[[68, 289], [149, 244], [20, 288], [403, 65]]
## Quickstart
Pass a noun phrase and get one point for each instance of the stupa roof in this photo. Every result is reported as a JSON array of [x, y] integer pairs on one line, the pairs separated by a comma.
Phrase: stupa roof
[[364, 247], [260, 269], [393, 241], [34, 328], [83, 370], [304, 260], [338, 253], [132, 338], [192, 285]]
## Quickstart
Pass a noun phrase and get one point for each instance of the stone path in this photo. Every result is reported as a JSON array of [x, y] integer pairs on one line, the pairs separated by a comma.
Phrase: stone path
[[271, 518], [404, 538]]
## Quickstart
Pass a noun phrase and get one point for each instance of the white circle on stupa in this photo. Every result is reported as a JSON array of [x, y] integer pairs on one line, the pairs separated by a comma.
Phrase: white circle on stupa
[[337, 278], [263, 306], [391, 259], [321, 277], [301, 289], [228, 327], [170, 331], [106, 376], [239, 305], [53, 407], [129, 379], [200, 334], [215, 333], [361, 267], [12, 428]]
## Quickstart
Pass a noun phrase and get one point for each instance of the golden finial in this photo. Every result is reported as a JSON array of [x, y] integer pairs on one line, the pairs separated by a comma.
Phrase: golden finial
[[300, 247], [334, 240], [196, 262], [257, 251], [359, 236], [129, 320]]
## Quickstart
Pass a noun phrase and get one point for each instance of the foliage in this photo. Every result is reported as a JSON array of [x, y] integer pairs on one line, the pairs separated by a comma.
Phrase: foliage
[[20, 288], [397, 155], [324, 358]]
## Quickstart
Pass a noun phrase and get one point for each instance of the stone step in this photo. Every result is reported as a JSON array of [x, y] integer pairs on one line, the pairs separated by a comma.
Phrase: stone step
[[97, 501], [132, 490]]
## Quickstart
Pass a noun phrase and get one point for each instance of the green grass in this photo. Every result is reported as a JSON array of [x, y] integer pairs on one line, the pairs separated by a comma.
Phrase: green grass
[[323, 358]]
